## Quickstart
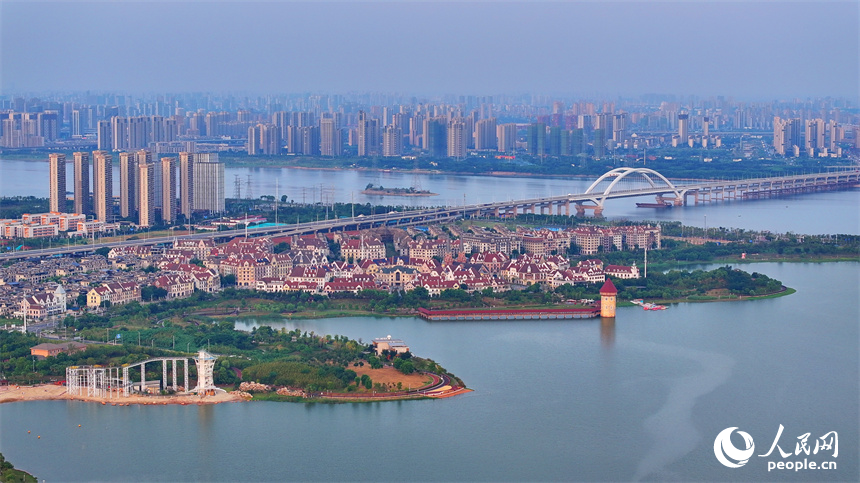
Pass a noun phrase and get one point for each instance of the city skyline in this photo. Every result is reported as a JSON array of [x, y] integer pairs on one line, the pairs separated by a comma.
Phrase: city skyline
[[745, 49]]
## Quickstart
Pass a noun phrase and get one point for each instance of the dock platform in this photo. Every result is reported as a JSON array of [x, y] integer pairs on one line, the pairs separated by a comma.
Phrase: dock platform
[[509, 314]]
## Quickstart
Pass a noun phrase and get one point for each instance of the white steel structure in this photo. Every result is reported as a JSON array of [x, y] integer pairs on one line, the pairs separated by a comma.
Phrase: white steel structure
[[205, 379], [110, 382]]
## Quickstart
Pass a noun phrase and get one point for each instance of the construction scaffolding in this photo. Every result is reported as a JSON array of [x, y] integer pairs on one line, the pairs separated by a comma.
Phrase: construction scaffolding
[[90, 381]]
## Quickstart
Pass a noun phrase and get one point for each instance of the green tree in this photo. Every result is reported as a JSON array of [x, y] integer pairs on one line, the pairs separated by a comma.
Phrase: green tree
[[407, 367]]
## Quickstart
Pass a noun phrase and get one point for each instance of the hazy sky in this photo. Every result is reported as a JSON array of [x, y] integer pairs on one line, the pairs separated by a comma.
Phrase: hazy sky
[[746, 49]]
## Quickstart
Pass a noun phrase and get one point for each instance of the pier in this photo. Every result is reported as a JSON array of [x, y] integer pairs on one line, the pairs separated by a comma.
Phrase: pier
[[508, 314]]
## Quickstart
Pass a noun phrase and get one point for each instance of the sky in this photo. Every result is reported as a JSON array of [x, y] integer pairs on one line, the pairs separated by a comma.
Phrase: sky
[[745, 49]]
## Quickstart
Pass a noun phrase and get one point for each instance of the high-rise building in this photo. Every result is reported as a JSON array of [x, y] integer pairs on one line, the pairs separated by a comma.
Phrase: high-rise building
[[57, 183], [836, 134], [310, 140], [168, 190], [105, 137], [77, 128], [331, 138], [436, 136], [48, 125], [253, 146], [536, 139], [392, 141], [683, 129], [138, 132], [82, 183], [786, 136], [555, 141], [264, 139], [814, 134], [103, 186], [619, 126], [186, 184], [457, 138], [577, 141], [119, 133], [599, 141], [706, 126], [127, 184], [208, 183], [368, 135], [507, 137], [146, 195], [145, 156], [485, 134]]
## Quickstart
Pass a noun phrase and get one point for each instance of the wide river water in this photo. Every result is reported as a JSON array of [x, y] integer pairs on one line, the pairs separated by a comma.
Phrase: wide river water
[[819, 213], [641, 398]]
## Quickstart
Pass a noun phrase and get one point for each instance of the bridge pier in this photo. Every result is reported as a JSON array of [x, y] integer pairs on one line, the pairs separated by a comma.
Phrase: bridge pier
[[596, 209]]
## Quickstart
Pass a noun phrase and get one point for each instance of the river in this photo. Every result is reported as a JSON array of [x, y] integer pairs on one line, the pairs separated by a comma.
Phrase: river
[[24, 178], [581, 400]]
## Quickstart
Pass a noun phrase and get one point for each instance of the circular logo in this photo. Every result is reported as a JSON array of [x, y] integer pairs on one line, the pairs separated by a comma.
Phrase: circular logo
[[725, 451]]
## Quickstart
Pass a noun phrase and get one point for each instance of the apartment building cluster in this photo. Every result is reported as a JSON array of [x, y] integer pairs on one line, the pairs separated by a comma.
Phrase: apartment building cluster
[[795, 137], [42, 225], [150, 192], [394, 124], [29, 129]]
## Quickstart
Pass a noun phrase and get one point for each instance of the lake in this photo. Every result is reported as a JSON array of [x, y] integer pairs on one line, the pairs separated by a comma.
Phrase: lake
[[800, 214], [576, 400]]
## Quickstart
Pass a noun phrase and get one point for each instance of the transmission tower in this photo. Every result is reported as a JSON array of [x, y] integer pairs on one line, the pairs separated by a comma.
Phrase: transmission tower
[[416, 180], [237, 187], [248, 191]]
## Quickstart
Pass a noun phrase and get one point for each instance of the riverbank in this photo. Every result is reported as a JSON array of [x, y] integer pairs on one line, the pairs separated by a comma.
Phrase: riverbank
[[51, 392]]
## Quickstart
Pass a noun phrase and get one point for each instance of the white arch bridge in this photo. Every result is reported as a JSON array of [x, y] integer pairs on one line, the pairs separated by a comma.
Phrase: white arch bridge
[[611, 185]]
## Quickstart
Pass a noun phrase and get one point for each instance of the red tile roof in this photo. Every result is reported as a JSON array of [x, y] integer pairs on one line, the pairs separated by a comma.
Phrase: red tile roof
[[608, 288]]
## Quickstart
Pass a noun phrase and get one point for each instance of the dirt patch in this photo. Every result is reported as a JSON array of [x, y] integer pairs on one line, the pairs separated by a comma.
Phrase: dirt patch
[[390, 375]]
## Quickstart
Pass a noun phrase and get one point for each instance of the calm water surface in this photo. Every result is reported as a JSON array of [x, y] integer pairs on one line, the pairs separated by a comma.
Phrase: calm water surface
[[642, 398]]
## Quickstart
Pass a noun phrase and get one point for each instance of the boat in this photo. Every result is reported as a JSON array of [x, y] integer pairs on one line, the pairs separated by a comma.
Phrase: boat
[[654, 205], [650, 306], [637, 302]]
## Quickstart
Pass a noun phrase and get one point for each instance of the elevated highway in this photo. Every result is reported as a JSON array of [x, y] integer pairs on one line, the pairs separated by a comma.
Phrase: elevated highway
[[593, 199]]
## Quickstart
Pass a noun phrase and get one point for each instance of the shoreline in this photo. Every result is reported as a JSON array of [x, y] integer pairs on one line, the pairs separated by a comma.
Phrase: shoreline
[[52, 392]]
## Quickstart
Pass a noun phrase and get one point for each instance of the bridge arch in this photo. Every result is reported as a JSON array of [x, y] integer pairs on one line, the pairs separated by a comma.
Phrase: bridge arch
[[621, 173]]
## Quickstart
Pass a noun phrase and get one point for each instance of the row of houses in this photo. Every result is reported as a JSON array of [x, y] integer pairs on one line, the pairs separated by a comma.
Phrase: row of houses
[[50, 224]]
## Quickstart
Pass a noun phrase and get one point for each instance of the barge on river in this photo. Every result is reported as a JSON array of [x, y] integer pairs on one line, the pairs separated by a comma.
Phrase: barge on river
[[509, 314]]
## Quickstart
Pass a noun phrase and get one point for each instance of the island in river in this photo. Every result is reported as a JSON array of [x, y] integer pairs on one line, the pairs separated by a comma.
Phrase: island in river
[[371, 189]]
